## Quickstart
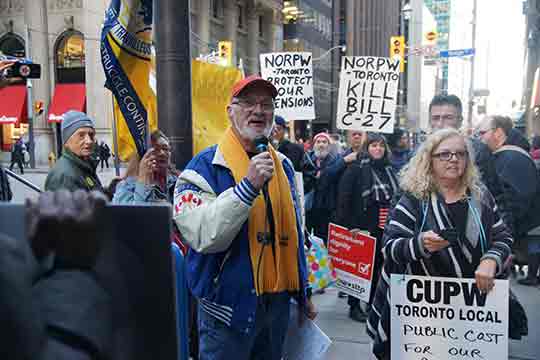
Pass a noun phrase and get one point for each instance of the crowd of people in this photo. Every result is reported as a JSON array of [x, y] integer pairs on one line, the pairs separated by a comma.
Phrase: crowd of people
[[454, 206]]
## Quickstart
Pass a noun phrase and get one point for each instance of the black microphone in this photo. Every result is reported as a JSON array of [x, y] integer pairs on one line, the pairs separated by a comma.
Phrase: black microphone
[[261, 144]]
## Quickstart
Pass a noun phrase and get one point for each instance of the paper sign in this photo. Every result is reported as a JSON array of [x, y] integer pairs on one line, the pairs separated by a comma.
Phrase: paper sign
[[352, 258], [307, 342], [368, 88], [447, 318], [292, 74]]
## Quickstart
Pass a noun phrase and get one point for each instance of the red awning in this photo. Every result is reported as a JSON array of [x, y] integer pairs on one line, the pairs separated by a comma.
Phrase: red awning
[[13, 106], [67, 97]]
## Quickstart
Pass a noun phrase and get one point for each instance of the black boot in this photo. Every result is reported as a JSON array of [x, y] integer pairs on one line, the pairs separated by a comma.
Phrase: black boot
[[532, 278]]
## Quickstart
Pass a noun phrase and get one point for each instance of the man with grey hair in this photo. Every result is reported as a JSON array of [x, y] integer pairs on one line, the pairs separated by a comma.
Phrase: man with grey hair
[[74, 169], [237, 208]]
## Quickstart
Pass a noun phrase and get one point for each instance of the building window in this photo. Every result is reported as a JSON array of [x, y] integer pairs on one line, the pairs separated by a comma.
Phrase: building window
[[217, 9], [12, 44], [70, 57], [241, 22], [261, 26]]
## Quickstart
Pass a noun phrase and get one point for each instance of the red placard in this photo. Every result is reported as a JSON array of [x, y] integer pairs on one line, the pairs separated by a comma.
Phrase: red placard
[[352, 258]]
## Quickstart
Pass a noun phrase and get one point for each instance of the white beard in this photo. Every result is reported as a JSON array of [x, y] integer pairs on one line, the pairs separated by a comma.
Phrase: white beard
[[250, 134], [321, 154]]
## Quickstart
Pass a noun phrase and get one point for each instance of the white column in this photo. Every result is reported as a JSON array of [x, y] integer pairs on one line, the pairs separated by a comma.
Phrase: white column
[[275, 31], [203, 25], [35, 17], [253, 40], [98, 100], [230, 20], [414, 68]]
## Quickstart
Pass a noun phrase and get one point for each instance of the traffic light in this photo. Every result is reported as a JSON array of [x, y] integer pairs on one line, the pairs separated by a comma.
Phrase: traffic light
[[397, 50], [225, 52], [38, 107]]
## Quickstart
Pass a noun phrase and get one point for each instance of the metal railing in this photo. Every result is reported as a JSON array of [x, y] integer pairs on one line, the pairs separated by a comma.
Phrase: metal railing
[[22, 180]]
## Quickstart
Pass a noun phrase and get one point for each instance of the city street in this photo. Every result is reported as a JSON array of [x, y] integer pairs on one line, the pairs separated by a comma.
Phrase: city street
[[350, 337]]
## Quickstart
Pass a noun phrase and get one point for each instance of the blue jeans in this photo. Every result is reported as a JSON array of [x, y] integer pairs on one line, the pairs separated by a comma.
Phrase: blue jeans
[[265, 341]]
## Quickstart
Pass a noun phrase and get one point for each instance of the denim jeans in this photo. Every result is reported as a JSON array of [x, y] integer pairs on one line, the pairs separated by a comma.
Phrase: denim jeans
[[217, 341]]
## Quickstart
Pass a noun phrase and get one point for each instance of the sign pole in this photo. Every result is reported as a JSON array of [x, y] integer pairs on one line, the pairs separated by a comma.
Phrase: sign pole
[[471, 89], [115, 140], [30, 107]]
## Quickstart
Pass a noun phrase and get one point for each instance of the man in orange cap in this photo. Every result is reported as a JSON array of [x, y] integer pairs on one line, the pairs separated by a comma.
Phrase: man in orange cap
[[236, 207]]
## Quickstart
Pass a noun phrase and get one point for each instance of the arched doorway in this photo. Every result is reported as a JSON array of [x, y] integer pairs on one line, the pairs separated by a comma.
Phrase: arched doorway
[[69, 59], [69, 65], [12, 44]]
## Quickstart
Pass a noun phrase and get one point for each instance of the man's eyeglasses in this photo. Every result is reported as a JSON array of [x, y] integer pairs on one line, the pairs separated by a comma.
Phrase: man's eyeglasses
[[250, 104], [444, 117], [448, 155]]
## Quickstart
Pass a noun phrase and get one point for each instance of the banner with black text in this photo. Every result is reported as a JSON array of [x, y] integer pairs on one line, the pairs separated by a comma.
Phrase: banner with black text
[[436, 318], [368, 88], [292, 74]]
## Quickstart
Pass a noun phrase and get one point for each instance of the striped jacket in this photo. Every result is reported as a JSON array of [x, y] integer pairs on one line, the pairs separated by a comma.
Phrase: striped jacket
[[404, 252], [211, 212]]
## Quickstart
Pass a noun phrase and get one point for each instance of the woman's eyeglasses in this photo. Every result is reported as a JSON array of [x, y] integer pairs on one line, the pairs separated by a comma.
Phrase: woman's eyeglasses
[[448, 155]]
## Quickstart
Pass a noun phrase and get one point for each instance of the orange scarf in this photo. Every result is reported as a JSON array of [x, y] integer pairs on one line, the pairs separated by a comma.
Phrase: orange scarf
[[280, 273]]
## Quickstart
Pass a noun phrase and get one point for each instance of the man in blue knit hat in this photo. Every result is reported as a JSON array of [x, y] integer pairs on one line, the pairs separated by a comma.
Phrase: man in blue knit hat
[[75, 169]]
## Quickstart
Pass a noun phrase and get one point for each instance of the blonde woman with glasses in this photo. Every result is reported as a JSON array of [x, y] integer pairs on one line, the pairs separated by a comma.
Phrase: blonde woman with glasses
[[446, 224]]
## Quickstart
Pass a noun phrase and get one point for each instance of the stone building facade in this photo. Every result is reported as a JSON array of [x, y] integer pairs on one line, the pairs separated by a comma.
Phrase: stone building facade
[[64, 37]]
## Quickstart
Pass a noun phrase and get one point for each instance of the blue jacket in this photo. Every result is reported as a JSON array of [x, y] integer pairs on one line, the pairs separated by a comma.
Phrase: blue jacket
[[211, 212]]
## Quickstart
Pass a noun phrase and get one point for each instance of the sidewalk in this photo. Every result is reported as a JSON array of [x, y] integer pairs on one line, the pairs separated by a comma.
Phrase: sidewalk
[[349, 338]]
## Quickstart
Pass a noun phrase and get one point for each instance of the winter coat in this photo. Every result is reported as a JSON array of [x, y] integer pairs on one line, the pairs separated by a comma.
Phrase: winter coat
[[399, 158], [404, 251], [73, 173], [356, 205], [5, 188], [295, 153], [324, 187], [519, 182]]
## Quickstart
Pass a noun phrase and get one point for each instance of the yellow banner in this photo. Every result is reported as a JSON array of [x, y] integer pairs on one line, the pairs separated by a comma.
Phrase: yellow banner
[[211, 90]]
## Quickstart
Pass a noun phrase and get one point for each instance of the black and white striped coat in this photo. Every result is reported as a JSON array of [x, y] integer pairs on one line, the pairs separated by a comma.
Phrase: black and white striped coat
[[404, 252]]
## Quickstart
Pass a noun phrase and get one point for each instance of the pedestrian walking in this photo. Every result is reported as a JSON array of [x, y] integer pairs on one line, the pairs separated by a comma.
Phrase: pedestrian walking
[[246, 258], [446, 224], [365, 193], [104, 154], [75, 169], [17, 155]]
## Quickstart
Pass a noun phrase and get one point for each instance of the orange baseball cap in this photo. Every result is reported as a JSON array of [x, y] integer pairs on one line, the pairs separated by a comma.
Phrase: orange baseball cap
[[250, 81]]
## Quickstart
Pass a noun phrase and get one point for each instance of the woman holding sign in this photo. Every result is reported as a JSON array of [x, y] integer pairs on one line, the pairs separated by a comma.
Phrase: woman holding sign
[[364, 195], [446, 224]]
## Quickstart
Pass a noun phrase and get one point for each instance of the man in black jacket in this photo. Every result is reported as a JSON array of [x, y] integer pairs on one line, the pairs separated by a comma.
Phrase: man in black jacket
[[519, 182], [295, 152]]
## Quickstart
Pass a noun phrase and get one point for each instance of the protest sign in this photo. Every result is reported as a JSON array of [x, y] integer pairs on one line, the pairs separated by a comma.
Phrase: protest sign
[[352, 258], [368, 88], [292, 74], [447, 318]]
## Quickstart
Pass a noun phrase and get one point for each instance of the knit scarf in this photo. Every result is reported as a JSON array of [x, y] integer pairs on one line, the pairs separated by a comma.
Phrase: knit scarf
[[274, 266]]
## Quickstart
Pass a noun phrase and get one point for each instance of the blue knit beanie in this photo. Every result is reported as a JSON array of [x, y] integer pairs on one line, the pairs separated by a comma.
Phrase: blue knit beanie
[[72, 121]]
